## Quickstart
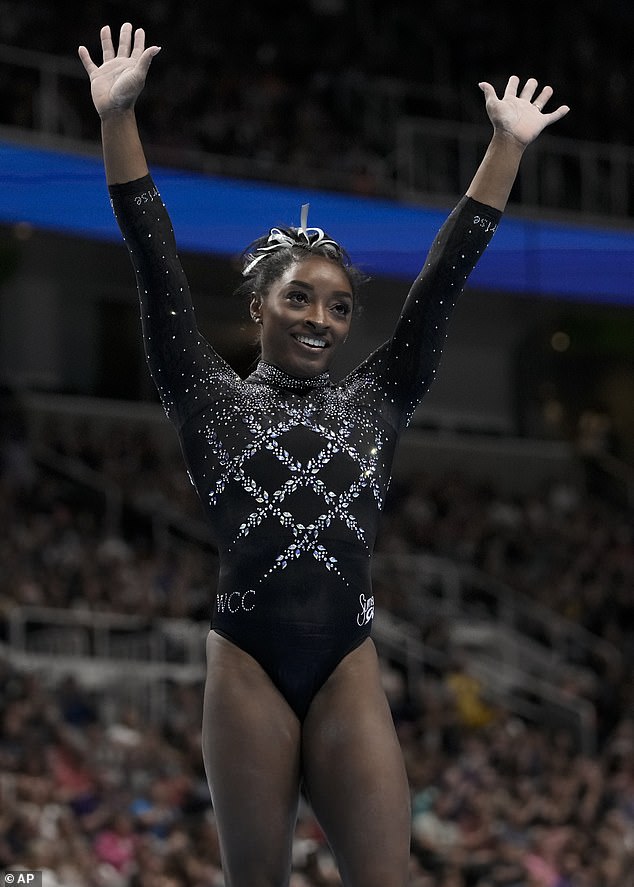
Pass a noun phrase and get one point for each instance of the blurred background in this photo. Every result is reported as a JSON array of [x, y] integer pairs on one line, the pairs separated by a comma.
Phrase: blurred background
[[504, 571]]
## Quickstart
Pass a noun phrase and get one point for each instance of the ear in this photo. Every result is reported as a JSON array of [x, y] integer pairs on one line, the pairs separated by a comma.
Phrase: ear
[[256, 309]]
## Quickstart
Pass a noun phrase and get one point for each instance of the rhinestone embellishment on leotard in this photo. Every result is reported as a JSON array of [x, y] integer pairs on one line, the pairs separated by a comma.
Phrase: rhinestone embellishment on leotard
[[267, 372], [336, 429]]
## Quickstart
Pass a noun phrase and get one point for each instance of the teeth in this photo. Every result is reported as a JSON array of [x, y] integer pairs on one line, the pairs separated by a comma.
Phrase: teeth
[[307, 340]]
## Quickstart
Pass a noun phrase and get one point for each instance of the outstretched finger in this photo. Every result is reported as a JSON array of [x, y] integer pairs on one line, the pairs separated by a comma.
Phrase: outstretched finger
[[511, 86], [86, 60], [488, 90], [139, 43], [125, 40], [107, 47], [554, 116], [145, 59], [541, 100], [529, 89]]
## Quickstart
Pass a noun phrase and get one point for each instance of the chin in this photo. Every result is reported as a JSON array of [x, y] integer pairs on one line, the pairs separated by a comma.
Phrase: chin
[[302, 367]]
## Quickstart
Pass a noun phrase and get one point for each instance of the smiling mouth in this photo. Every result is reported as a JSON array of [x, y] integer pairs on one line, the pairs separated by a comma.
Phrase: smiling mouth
[[311, 341]]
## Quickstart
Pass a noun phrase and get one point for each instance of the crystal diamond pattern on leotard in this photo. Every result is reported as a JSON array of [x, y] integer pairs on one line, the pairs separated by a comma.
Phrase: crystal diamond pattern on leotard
[[272, 420]]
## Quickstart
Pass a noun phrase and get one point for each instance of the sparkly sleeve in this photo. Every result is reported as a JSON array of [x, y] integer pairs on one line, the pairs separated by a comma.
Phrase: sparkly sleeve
[[185, 368], [404, 367]]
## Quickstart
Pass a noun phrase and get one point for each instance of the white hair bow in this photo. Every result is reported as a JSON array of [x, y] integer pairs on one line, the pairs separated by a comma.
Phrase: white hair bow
[[314, 237]]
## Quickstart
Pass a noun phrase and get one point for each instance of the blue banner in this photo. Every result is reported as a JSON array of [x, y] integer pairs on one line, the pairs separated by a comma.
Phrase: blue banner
[[66, 192]]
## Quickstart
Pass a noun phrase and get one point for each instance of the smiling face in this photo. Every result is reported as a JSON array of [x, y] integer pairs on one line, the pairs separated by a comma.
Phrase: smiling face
[[305, 317]]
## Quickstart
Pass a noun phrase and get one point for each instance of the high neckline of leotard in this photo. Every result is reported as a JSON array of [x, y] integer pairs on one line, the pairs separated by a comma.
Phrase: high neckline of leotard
[[272, 375]]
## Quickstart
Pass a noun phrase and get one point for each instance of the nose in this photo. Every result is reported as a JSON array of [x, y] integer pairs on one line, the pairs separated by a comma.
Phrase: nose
[[317, 317]]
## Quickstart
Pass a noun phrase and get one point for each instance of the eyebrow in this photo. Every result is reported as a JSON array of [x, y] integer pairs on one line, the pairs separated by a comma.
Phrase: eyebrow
[[309, 286]]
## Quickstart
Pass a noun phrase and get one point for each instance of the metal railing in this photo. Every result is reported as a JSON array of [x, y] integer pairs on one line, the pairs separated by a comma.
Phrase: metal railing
[[538, 701], [112, 637], [50, 113], [436, 587], [133, 660], [129, 659], [527, 658], [564, 175]]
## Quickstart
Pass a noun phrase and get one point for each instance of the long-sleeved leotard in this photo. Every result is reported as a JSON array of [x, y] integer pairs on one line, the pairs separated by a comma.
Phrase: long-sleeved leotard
[[292, 473]]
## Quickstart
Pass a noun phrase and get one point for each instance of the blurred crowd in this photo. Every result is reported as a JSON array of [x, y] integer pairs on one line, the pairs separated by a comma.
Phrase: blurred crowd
[[119, 802], [97, 795], [319, 85]]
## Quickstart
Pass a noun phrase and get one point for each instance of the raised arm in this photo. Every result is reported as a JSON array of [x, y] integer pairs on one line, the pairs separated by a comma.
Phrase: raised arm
[[115, 86], [406, 364], [178, 355], [517, 121]]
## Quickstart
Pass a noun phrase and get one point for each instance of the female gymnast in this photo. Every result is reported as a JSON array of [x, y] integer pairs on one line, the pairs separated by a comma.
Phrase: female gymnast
[[292, 471]]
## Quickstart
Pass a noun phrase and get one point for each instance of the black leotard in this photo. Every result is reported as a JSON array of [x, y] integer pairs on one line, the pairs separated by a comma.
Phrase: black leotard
[[292, 473]]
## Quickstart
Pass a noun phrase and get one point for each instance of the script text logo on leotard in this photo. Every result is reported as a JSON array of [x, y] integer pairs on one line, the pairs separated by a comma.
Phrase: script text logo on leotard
[[146, 196], [485, 223], [367, 609]]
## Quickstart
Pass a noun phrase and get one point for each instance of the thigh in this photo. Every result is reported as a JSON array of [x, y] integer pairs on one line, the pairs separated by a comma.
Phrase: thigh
[[251, 750], [355, 775]]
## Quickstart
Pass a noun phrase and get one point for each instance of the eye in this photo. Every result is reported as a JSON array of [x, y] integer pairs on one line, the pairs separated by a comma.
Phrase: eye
[[342, 308], [297, 296]]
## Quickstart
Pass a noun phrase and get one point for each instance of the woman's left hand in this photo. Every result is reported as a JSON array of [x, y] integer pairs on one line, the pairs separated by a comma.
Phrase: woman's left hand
[[521, 116]]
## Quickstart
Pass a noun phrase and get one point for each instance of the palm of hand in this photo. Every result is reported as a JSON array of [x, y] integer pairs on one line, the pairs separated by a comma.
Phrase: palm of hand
[[517, 117], [116, 84]]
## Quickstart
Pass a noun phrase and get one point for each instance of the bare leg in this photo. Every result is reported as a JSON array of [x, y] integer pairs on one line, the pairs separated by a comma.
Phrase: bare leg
[[355, 775], [251, 750]]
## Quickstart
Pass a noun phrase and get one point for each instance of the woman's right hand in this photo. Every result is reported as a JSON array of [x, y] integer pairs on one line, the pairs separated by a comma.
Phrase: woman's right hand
[[117, 83]]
